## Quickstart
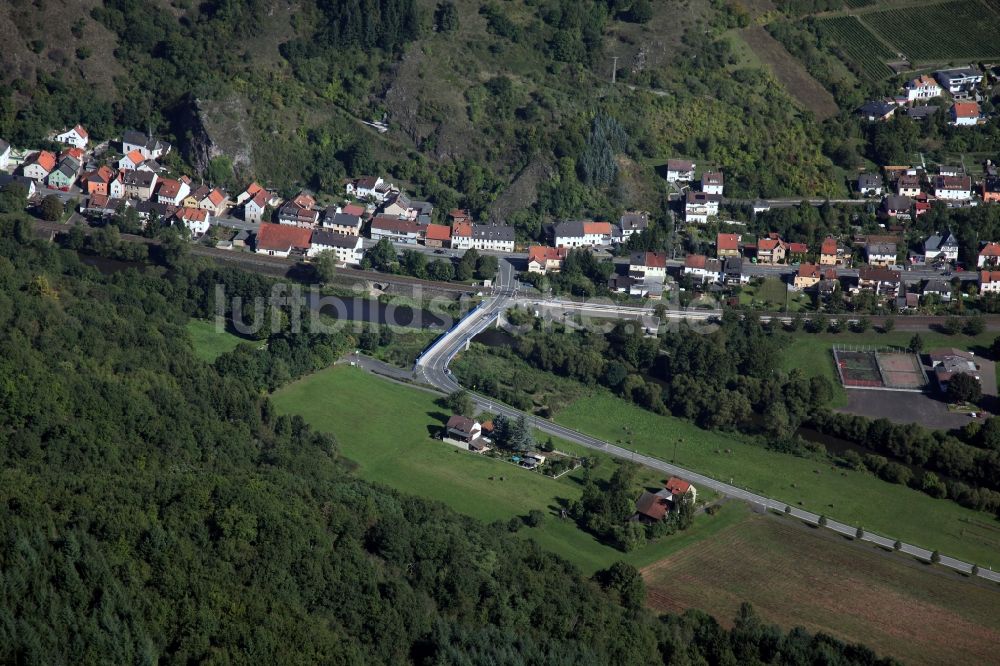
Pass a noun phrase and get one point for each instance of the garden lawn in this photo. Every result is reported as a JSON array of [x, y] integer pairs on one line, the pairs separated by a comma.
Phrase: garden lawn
[[209, 342], [816, 485], [386, 428], [811, 352]]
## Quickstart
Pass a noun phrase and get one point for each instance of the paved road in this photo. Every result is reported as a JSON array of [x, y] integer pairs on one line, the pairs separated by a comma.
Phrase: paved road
[[432, 367]]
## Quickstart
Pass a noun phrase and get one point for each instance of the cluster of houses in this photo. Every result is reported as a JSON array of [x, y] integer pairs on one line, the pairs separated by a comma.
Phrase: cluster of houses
[[908, 192], [471, 435], [701, 204], [654, 507], [961, 84]]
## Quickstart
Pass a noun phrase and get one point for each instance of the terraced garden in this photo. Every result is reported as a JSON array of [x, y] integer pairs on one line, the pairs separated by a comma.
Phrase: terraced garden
[[857, 46], [947, 31]]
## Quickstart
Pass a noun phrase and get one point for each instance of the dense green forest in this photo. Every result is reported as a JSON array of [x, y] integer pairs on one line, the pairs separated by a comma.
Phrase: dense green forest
[[154, 509]]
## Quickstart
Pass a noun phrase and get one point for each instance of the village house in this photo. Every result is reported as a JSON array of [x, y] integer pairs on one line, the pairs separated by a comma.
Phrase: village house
[[870, 184], [195, 220], [712, 182], [948, 362], [395, 229], [98, 180], [39, 166], [881, 254], [989, 282], [989, 256], [172, 191], [76, 136], [632, 223], [652, 507], [495, 237], [131, 160], [899, 207], [830, 254], [810, 275], [255, 206], [100, 205], [139, 184], [964, 114], [543, 259], [680, 171], [22, 181], [281, 240], [116, 188], [64, 175], [249, 193], [961, 82], [921, 112], [941, 247], [876, 111], [299, 211], [399, 205], [771, 251], [461, 235], [437, 235], [342, 223], [4, 155], [582, 233], [467, 433], [702, 268], [647, 265], [882, 281], [348, 249], [459, 215], [908, 185], [937, 288], [680, 489], [699, 206], [727, 245], [921, 88], [991, 189], [214, 202], [370, 188], [620, 283], [953, 188], [149, 148], [732, 271]]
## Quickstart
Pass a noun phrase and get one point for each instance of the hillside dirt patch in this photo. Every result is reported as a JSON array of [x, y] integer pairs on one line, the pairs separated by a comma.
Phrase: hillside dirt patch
[[798, 576], [790, 72]]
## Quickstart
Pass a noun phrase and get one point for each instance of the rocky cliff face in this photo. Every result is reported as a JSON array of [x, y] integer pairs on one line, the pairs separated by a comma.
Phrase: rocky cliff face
[[210, 128]]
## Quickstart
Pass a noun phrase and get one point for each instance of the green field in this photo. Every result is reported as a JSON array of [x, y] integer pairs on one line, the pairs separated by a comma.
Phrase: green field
[[857, 45], [853, 497], [940, 32], [209, 341], [890, 603], [386, 429], [810, 352]]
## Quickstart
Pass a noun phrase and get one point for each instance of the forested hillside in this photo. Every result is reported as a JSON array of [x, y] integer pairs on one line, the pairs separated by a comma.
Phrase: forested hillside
[[491, 105], [153, 509]]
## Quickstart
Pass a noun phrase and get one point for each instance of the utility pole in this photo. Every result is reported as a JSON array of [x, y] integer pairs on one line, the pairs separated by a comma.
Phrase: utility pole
[[614, 69]]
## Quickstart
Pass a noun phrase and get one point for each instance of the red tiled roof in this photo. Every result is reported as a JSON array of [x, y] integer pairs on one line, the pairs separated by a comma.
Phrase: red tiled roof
[[45, 159], [354, 209], [798, 248], [829, 246], [767, 244], [169, 188], [655, 260], [394, 224], [282, 236], [543, 253], [597, 228], [966, 109], [216, 197], [439, 232], [259, 198], [695, 261], [652, 506], [990, 250], [989, 276], [98, 200], [304, 200], [196, 214], [727, 242], [677, 486], [253, 188], [462, 229], [82, 132], [460, 215], [74, 152]]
